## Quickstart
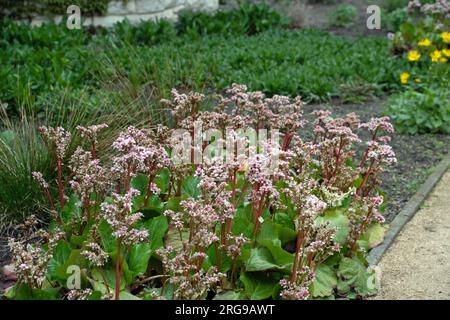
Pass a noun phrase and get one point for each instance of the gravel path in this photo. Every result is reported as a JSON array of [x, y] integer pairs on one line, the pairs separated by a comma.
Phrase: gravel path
[[417, 266]]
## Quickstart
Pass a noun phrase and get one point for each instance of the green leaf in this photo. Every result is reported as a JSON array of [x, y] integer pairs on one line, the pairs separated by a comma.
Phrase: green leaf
[[140, 183], [22, 291], [355, 274], [95, 295], [259, 285], [71, 207], [157, 228], [374, 235], [230, 295], [61, 254], [100, 275], [173, 204], [268, 238], [242, 223], [189, 186], [109, 243], [325, 281], [271, 257], [138, 258], [339, 220], [283, 259], [125, 295], [268, 231], [260, 259], [43, 294], [162, 180], [211, 260]]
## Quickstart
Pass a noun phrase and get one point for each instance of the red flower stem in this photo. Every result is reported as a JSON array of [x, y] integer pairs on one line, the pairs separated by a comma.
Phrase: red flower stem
[[60, 184], [222, 241], [149, 185], [297, 251], [233, 199], [364, 180], [93, 150], [242, 194], [286, 141], [88, 209], [309, 260], [364, 158], [338, 159], [178, 194], [119, 242]]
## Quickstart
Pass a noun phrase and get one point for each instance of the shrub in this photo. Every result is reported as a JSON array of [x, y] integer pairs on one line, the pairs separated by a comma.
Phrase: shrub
[[393, 20], [26, 8], [248, 19], [147, 33], [344, 16], [163, 229], [421, 111]]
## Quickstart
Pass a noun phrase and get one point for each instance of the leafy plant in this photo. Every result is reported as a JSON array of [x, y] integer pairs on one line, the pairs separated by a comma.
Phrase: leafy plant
[[422, 111], [146, 225], [394, 5], [357, 91], [344, 16], [248, 19], [393, 20]]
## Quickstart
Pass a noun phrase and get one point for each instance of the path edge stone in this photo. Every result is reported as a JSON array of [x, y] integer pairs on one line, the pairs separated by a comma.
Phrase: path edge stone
[[408, 211]]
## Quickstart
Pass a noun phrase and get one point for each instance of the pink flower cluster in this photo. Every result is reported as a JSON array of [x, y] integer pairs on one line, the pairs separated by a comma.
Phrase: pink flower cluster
[[119, 215]]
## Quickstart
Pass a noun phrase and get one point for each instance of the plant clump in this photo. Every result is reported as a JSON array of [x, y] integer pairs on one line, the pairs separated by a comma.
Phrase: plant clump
[[188, 213]]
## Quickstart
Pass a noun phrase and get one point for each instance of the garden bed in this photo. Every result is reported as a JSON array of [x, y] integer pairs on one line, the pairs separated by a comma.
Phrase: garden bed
[[325, 204], [417, 155]]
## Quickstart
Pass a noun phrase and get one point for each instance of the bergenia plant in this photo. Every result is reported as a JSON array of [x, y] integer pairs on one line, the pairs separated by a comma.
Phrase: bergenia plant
[[230, 203]]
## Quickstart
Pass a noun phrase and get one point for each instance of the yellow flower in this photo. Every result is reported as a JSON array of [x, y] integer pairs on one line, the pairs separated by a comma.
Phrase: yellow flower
[[418, 81], [446, 37], [413, 55], [424, 43], [404, 77], [446, 52], [443, 60], [436, 55]]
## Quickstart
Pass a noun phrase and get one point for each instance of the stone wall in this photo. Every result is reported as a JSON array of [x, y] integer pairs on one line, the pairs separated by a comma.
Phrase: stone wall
[[137, 10]]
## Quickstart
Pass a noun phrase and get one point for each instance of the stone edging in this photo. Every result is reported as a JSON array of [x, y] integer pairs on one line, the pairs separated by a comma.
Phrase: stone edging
[[408, 211]]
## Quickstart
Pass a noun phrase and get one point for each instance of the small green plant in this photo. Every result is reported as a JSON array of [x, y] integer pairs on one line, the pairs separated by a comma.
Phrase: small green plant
[[248, 19], [344, 16], [393, 20], [356, 91], [426, 111], [393, 5]]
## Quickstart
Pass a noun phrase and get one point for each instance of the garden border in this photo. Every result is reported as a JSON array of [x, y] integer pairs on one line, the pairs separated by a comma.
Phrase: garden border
[[408, 211]]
